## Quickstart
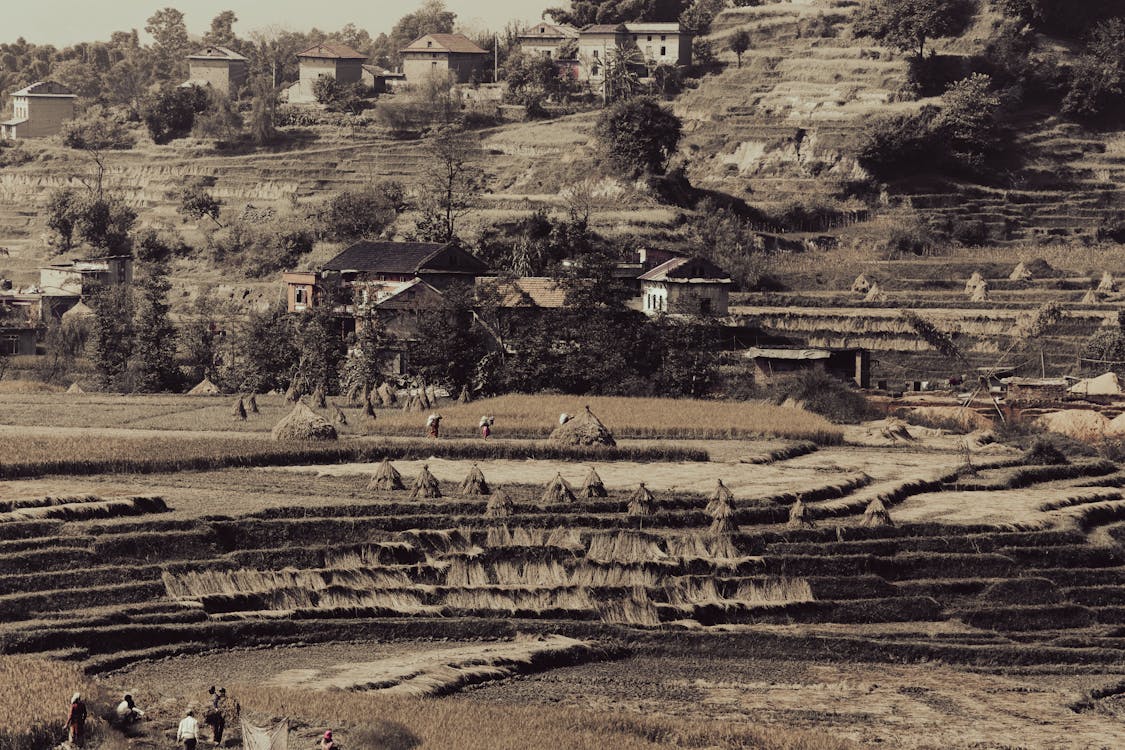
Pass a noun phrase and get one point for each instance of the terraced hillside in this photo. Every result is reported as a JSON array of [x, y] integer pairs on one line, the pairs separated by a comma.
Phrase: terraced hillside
[[783, 127], [1032, 580]]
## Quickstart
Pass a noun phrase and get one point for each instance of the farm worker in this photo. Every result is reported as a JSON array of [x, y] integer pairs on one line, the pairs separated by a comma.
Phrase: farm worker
[[433, 424], [564, 418], [486, 426], [222, 710], [127, 711], [76, 720], [327, 743], [188, 731]]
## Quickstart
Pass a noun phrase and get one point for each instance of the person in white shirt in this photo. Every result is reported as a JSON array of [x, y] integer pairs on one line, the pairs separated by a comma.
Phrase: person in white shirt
[[188, 733]]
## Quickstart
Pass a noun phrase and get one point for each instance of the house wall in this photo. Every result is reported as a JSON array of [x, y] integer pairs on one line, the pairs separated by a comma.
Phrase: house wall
[[593, 50], [662, 47], [417, 65], [465, 65], [45, 115], [685, 299], [227, 76], [17, 341]]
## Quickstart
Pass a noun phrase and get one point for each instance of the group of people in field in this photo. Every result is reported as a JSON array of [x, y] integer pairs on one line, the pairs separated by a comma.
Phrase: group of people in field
[[433, 425], [220, 710]]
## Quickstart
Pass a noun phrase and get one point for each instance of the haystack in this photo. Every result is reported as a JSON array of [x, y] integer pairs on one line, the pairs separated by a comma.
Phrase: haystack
[[877, 514], [861, 285], [239, 410], [980, 294], [465, 396], [1116, 426], [424, 397], [318, 398], [474, 483], [1079, 424], [252, 404], [722, 519], [368, 408], [875, 294], [303, 424], [896, 429], [1106, 384], [386, 395], [584, 429], [800, 517], [592, 486], [1045, 453], [338, 415], [1020, 273], [1108, 283], [386, 478], [1091, 297], [413, 404], [293, 393], [722, 496], [205, 388], [557, 491], [500, 505], [75, 388], [974, 281], [425, 484], [641, 502]]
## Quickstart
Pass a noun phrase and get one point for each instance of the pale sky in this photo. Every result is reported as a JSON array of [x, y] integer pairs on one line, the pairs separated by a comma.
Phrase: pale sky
[[63, 22]]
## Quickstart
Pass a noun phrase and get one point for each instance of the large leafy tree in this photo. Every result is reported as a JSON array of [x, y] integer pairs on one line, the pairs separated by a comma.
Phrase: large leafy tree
[[171, 113], [112, 335], [1097, 84], [222, 30], [584, 12], [154, 348], [266, 356], [450, 341], [908, 24], [638, 136], [170, 41]]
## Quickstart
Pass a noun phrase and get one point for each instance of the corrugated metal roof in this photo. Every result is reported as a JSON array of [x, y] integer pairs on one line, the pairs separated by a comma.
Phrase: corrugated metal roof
[[686, 270]]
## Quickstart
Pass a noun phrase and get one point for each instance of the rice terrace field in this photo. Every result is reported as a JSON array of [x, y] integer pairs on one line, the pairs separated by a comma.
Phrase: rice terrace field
[[503, 599]]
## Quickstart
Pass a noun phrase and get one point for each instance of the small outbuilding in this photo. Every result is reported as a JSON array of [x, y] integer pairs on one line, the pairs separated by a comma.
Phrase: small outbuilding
[[685, 286], [853, 364]]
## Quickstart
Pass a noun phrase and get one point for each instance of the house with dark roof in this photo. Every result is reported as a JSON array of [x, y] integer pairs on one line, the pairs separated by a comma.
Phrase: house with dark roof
[[438, 53], [685, 286], [219, 68], [327, 60], [39, 111]]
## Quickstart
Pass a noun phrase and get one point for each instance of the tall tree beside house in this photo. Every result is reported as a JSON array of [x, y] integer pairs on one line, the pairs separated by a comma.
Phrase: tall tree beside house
[[171, 42], [266, 356], [154, 347], [431, 18], [320, 349], [451, 179], [638, 136], [263, 109], [363, 367], [739, 42], [104, 223], [450, 341], [112, 335], [222, 31]]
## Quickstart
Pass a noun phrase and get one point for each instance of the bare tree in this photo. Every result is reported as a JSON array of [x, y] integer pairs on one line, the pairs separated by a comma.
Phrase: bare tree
[[452, 179]]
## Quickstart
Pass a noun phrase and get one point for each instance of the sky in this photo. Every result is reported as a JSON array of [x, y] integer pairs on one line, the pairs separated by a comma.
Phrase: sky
[[63, 22]]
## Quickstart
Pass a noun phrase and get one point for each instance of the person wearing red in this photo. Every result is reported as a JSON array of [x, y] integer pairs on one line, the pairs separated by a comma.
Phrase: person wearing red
[[327, 743], [76, 721]]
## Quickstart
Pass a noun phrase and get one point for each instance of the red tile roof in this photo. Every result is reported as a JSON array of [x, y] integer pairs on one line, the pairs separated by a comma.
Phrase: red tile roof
[[332, 51], [686, 270], [445, 43], [528, 291]]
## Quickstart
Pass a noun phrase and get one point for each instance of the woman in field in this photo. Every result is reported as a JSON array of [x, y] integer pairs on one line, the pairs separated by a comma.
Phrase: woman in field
[[76, 720], [486, 426], [433, 425]]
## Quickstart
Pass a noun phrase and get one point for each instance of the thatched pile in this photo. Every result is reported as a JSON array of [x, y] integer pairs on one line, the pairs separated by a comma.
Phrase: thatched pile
[[293, 393], [386, 478], [722, 496], [338, 415], [239, 410], [425, 484], [592, 486], [980, 294], [877, 514], [974, 281], [252, 404], [1091, 297], [722, 521], [424, 396], [303, 424], [584, 429], [318, 398], [474, 483], [205, 388], [368, 408], [500, 505], [642, 502], [75, 388], [557, 491], [1108, 283], [1020, 273], [1080, 424], [414, 404], [800, 517], [465, 396], [861, 285], [1044, 453], [386, 395], [875, 294]]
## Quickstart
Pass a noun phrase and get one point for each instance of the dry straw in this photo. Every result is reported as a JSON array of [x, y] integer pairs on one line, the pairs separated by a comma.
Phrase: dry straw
[[641, 502], [293, 393], [318, 398], [368, 408], [465, 397], [475, 483], [75, 388], [877, 514], [721, 497], [557, 491], [205, 388], [425, 484], [800, 517], [338, 415], [304, 424], [500, 505], [584, 429], [239, 410], [252, 404], [592, 486], [386, 478], [386, 395]]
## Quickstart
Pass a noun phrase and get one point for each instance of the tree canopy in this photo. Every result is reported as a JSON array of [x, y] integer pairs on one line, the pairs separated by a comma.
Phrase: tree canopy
[[908, 24]]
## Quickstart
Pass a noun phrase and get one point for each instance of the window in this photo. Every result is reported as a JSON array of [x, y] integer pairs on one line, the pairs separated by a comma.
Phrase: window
[[595, 54], [705, 306], [663, 37], [594, 70], [649, 38], [429, 44], [300, 296], [433, 64], [663, 51]]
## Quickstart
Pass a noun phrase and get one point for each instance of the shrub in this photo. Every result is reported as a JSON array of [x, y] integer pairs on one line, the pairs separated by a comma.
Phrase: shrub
[[1097, 82], [355, 214], [638, 136], [1104, 350], [260, 251], [1112, 229], [170, 114], [13, 154], [825, 395], [969, 123], [899, 145], [910, 237]]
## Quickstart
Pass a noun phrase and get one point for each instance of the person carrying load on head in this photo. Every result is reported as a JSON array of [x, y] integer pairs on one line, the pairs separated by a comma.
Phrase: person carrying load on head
[[433, 424], [127, 711], [486, 426], [76, 720]]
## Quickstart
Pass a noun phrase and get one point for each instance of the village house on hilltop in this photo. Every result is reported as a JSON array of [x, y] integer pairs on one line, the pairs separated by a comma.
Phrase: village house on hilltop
[[455, 53], [326, 60], [219, 68], [39, 111]]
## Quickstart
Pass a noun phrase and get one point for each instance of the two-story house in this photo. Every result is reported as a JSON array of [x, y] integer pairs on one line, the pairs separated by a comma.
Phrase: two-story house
[[328, 60], [39, 111], [219, 68], [685, 286], [438, 53], [546, 39]]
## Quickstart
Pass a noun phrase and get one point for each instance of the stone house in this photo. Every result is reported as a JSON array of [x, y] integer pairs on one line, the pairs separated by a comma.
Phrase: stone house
[[326, 60], [661, 43], [656, 44], [39, 111], [546, 39], [596, 44], [685, 286], [64, 285], [455, 53], [220, 68]]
